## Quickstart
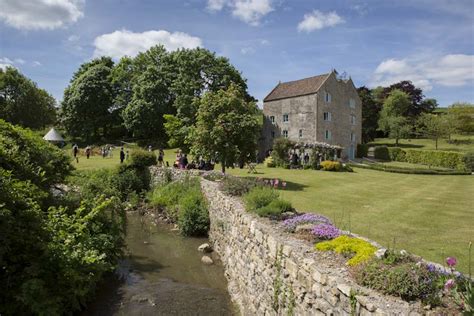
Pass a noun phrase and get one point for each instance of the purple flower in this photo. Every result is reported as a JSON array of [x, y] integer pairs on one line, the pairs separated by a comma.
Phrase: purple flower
[[306, 218], [325, 231], [449, 284], [431, 267], [451, 261]]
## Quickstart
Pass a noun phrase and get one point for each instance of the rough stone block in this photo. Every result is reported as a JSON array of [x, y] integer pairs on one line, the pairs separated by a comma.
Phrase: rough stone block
[[320, 277]]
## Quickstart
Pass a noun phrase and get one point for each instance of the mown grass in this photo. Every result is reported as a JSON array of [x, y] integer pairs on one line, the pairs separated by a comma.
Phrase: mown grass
[[432, 216], [462, 143]]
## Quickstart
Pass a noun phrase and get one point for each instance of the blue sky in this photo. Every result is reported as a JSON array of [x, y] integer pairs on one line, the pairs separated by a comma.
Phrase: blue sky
[[430, 42]]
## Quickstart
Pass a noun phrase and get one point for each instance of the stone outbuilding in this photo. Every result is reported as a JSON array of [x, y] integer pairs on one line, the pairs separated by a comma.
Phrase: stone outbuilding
[[320, 109]]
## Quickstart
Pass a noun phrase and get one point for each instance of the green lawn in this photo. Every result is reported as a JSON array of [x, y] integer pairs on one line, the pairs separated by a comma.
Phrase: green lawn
[[432, 216], [463, 143]]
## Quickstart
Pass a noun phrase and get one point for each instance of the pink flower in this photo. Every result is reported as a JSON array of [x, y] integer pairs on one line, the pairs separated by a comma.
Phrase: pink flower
[[451, 261], [449, 284]]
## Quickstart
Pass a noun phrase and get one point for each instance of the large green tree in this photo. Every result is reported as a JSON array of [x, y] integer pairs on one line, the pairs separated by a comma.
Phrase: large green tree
[[227, 127], [463, 116], [391, 119], [88, 101], [433, 126], [23, 103], [370, 114]]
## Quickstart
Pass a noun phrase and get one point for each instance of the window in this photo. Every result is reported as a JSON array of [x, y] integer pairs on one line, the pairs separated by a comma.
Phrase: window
[[285, 117], [301, 133], [353, 137], [273, 134], [327, 134], [285, 134], [327, 97], [327, 116], [272, 119], [352, 103], [353, 119]]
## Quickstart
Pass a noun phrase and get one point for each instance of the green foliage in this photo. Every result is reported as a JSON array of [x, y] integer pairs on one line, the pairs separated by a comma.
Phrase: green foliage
[[87, 100], [237, 186], [371, 108], [184, 203], [436, 158], [433, 126], [357, 249], [142, 159], [362, 150], [462, 114], [22, 102], [405, 279], [407, 170], [193, 216], [381, 152], [227, 127], [329, 165], [469, 160], [259, 197], [280, 151], [53, 249], [391, 119], [274, 209]]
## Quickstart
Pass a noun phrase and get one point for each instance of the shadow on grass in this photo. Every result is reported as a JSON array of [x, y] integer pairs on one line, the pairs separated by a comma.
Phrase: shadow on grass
[[293, 186]]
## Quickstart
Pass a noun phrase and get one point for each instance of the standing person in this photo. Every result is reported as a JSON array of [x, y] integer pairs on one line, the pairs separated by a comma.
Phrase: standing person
[[75, 152], [127, 153], [161, 155], [149, 148], [185, 161], [306, 158], [88, 151], [122, 155]]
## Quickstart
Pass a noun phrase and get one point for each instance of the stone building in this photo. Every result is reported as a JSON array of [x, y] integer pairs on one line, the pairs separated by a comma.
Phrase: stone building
[[324, 108]]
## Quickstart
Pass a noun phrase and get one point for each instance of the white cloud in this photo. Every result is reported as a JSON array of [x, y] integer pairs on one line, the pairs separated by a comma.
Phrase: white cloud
[[448, 70], [19, 61], [317, 20], [40, 14], [5, 62], [215, 5], [248, 11], [124, 42], [37, 63], [247, 50]]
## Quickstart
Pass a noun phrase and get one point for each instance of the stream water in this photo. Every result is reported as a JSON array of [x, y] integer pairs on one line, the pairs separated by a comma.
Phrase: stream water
[[162, 274]]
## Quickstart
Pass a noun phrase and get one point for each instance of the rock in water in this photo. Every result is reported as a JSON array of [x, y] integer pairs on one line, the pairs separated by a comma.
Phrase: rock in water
[[205, 248], [206, 260]]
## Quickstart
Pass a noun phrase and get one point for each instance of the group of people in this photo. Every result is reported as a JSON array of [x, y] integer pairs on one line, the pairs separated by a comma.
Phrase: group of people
[[182, 162]]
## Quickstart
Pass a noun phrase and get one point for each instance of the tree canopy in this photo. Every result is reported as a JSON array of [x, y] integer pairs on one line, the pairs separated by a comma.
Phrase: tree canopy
[[391, 119], [23, 103], [227, 127]]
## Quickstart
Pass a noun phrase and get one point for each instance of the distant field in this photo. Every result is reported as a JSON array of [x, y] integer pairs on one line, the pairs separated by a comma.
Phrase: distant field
[[462, 143]]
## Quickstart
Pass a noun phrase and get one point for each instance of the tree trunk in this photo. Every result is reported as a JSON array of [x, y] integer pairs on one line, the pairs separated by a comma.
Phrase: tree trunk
[[396, 142], [223, 166]]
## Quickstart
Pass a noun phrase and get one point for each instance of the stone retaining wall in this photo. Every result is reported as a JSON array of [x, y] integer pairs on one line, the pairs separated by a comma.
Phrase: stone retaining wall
[[272, 273]]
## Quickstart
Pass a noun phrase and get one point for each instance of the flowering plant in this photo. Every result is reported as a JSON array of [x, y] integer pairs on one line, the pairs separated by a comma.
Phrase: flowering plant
[[290, 224], [325, 231]]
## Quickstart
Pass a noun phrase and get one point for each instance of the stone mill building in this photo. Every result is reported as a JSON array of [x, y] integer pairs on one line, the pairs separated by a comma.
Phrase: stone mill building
[[320, 109]]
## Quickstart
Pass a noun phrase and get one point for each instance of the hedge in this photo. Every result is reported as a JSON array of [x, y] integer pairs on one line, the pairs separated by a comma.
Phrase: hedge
[[380, 167], [437, 158], [362, 150], [381, 152]]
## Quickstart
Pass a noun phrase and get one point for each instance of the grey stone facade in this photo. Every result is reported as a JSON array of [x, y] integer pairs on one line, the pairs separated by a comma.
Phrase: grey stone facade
[[306, 115]]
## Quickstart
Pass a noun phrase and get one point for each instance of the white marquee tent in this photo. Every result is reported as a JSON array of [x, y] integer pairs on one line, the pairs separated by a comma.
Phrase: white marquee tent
[[53, 136]]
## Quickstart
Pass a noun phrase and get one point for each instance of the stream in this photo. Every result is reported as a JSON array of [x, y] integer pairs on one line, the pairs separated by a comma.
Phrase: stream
[[162, 274]]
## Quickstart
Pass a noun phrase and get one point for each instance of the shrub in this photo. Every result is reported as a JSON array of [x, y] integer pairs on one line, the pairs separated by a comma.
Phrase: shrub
[[362, 150], [469, 160], [396, 154], [406, 280], [237, 186], [405, 170], [274, 209], [290, 224], [193, 216], [438, 158], [168, 196], [381, 152], [259, 197], [359, 250], [281, 148], [269, 162], [142, 158], [329, 165]]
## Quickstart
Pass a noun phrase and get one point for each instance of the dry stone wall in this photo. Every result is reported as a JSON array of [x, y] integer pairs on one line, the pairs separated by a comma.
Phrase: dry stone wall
[[272, 273]]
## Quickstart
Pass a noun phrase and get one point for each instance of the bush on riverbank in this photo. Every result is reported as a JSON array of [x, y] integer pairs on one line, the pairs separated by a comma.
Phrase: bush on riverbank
[[183, 202], [54, 248], [266, 202]]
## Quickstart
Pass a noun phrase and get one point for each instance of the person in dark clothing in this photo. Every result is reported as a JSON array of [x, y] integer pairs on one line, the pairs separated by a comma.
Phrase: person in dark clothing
[[122, 155], [75, 151], [161, 154], [294, 159], [88, 152], [185, 160]]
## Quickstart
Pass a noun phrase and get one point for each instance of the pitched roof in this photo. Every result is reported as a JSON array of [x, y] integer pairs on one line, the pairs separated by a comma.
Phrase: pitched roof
[[296, 88], [53, 136]]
